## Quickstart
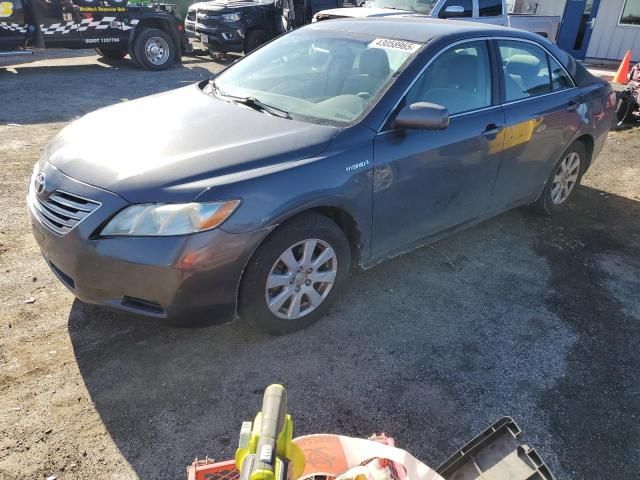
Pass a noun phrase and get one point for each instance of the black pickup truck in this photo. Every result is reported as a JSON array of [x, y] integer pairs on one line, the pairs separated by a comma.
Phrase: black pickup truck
[[240, 26], [151, 34]]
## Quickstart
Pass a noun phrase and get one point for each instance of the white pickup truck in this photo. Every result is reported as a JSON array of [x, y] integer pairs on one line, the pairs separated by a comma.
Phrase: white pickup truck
[[487, 11]]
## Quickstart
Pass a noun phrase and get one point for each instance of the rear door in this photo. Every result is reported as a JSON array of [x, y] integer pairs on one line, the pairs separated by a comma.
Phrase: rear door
[[429, 181], [542, 111]]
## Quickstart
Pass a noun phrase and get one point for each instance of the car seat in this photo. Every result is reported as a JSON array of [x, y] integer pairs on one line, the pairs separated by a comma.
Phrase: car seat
[[373, 72]]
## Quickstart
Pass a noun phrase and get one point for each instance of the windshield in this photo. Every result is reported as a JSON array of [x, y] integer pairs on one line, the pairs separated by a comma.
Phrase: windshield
[[319, 76], [418, 6]]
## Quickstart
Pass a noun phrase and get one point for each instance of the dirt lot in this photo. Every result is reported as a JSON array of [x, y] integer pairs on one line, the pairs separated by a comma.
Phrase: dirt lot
[[526, 316]]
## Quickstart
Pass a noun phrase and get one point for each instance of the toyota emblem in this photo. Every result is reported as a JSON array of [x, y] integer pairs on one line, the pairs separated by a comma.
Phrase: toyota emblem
[[39, 183]]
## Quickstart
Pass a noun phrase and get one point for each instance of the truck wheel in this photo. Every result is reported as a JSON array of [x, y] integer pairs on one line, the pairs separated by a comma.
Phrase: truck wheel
[[254, 39], [153, 49], [113, 53], [295, 275]]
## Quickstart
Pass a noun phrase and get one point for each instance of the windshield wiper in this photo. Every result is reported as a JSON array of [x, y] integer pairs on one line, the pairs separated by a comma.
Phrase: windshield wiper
[[250, 102], [260, 105]]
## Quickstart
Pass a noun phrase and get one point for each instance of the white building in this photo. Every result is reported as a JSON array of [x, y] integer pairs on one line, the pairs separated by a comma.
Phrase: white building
[[591, 29]]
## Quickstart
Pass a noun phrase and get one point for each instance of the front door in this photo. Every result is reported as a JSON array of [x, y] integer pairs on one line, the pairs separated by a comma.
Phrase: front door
[[426, 182], [577, 25]]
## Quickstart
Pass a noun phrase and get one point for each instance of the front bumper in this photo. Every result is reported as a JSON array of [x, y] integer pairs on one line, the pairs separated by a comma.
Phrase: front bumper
[[223, 37], [183, 278]]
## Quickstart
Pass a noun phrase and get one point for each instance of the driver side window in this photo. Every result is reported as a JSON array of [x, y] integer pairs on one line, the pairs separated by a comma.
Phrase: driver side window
[[459, 79]]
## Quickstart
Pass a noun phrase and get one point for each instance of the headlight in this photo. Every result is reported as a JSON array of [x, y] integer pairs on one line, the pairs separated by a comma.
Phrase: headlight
[[230, 17], [153, 219]]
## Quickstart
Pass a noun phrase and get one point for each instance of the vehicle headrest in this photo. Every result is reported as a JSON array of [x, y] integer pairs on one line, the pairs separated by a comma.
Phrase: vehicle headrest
[[374, 62], [524, 66]]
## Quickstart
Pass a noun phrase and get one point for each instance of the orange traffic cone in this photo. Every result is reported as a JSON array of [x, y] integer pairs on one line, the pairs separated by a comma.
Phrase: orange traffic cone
[[622, 75]]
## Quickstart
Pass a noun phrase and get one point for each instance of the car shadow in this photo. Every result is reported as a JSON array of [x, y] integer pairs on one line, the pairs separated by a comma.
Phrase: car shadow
[[431, 348]]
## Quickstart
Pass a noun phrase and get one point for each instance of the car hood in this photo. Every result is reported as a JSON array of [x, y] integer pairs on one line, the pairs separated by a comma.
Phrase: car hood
[[364, 12], [176, 143]]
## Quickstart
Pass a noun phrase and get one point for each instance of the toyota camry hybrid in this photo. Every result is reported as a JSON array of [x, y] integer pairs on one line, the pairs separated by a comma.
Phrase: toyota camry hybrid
[[335, 146]]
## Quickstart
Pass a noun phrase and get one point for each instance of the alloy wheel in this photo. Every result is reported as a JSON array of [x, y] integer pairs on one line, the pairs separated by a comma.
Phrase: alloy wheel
[[565, 178], [301, 278]]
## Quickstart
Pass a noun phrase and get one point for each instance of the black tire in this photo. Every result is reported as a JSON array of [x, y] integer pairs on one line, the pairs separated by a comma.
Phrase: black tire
[[252, 305], [624, 108], [254, 39], [546, 204], [113, 53], [138, 52]]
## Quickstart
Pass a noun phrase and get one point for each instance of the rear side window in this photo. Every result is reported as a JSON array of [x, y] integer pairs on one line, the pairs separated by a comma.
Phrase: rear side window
[[559, 78], [525, 69], [490, 8], [459, 79], [457, 9]]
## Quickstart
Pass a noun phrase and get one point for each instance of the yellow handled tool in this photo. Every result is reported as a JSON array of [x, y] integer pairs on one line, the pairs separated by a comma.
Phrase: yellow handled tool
[[265, 449]]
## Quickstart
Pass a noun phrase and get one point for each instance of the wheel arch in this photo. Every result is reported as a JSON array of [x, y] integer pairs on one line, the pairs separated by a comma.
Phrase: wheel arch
[[589, 145]]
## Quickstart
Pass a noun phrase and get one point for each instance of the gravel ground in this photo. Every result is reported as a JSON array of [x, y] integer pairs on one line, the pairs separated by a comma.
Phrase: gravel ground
[[533, 317]]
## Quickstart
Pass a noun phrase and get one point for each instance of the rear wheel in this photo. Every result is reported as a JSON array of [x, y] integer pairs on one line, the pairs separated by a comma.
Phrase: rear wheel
[[563, 179], [115, 53], [295, 275], [254, 39], [153, 49]]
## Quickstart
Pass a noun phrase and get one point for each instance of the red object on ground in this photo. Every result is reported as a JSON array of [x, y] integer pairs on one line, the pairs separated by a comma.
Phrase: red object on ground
[[207, 469], [622, 75]]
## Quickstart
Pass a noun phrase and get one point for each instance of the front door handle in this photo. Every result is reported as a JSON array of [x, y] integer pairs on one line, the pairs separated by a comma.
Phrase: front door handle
[[492, 129]]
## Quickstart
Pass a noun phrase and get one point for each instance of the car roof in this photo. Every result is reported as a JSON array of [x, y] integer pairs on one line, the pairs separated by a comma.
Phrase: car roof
[[415, 29]]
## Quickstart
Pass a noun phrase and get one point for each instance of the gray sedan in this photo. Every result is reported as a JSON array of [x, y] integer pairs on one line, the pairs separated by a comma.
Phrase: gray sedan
[[335, 146]]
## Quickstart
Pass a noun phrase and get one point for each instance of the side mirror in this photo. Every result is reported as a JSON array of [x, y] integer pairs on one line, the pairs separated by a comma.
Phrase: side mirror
[[452, 11], [422, 116]]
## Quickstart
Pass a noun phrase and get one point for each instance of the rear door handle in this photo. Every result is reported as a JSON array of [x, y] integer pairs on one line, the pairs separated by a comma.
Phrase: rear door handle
[[492, 129], [573, 105]]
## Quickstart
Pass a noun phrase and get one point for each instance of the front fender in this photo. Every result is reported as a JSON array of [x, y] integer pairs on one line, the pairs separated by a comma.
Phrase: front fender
[[342, 177]]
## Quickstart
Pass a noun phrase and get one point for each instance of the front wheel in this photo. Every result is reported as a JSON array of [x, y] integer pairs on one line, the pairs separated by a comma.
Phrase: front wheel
[[295, 275], [563, 179], [153, 49]]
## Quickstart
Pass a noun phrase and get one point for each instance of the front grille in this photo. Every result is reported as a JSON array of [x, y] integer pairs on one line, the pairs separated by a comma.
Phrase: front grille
[[207, 19], [62, 211]]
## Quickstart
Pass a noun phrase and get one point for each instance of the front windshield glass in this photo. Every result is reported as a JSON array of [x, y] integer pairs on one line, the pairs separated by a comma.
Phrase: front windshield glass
[[316, 75], [418, 6]]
